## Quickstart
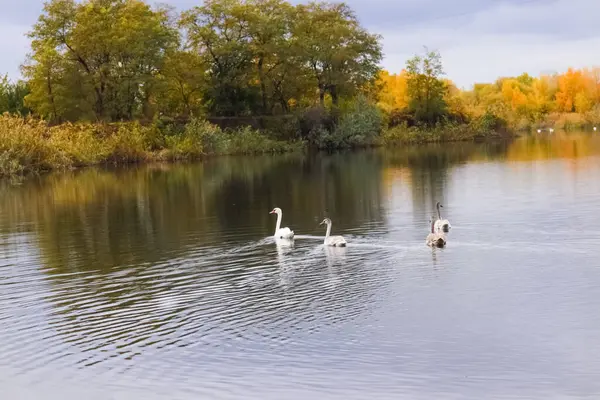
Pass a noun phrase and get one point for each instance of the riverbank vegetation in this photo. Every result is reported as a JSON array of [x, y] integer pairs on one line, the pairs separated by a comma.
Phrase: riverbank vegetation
[[123, 81], [32, 145]]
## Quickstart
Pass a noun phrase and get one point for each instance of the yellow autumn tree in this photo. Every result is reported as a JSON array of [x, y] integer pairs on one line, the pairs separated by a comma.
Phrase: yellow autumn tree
[[583, 103], [570, 84], [593, 83], [514, 96], [457, 104], [393, 92], [539, 98]]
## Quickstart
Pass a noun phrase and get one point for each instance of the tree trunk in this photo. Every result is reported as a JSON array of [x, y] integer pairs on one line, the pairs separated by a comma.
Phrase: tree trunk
[[51, 94], [322, 95], [263, 87], [334, 95]]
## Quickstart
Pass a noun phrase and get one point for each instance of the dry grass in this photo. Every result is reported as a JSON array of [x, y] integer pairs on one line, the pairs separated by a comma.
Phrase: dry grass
[[29, 145]]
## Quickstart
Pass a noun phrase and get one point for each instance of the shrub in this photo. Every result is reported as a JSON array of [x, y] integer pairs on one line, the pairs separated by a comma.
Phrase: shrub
[[78, 144], [199, 137], [400, 116], [29, 145], [359, 127], [24, 147], [248, 141], [488, 123], [128, 144], [315, 119]]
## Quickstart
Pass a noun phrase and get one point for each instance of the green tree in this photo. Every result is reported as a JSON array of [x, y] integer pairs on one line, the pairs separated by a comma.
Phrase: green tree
[[270, 23], [218, 30], [426, 89], [103, 53], [182, 84], [12, 96], [46, 75], [336, 51]]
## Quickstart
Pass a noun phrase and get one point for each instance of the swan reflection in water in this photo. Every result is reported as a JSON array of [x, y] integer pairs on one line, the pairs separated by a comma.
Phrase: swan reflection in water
[[284, 248], [336, 261], [289, 265]]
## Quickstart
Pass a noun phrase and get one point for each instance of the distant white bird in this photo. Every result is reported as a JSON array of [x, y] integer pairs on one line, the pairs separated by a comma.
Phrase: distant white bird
[[435, 239], [336, 241], [441, 224], [551, 130], [595, 129], [539, 131], [282, 233]]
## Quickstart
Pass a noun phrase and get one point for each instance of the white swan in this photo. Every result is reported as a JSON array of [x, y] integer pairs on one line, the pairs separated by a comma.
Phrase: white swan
[[282, 233], [435, 239], [441, 224], [336, 241]]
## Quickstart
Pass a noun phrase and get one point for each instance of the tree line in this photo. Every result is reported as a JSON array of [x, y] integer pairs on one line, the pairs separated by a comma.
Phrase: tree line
[[114, 60], [569, 98], [124, 60]]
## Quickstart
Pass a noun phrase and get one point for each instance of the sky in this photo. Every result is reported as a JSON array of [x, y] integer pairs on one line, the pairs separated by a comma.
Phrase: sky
[[479, 40]]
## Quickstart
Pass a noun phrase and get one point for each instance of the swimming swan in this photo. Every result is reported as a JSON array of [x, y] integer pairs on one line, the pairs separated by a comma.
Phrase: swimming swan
[[336, 241], [435, 239], [282, 233], [441, 224]]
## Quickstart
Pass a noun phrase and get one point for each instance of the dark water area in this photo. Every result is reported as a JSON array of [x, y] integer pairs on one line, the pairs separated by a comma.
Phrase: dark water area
[[164, 281]]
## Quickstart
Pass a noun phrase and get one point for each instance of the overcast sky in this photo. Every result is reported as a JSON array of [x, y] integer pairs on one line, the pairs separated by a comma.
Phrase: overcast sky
[[479, 40]]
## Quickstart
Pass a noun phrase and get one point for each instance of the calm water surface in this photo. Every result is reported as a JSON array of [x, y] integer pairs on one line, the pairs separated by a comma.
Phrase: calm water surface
[[162, 282]]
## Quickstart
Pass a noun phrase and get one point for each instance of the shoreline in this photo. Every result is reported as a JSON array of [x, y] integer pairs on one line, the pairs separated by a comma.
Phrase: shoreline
[[12, 167]]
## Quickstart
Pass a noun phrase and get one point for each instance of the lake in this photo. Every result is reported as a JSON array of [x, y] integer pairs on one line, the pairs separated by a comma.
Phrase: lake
[[164, 282]]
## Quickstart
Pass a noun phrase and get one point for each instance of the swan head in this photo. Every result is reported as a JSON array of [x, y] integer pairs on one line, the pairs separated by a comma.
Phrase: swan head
[[438, 205], [276, 210], [326, 221]]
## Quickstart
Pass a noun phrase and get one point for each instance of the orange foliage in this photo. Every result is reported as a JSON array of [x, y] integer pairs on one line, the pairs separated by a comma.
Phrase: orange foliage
[[569, 85], [393, 94], [521, 98]]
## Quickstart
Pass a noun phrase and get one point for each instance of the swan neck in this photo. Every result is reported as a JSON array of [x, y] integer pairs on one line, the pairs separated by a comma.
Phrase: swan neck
[[328, 231], [278, 225], [438, 211]]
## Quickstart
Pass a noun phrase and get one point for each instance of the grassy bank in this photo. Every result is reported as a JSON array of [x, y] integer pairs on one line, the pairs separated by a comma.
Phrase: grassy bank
[[402, 135], [482, 128], [29, 145]]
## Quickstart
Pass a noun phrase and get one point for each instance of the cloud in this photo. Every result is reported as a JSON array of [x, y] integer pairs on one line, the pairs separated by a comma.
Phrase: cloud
[[14, 46], [506, 39], [479, 40]]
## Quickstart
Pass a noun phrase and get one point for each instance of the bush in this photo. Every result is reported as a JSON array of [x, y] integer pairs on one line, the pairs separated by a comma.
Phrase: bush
[[399, 117], [201, 138], [24, 146], [488, 123], [78, 144], [129, 144], [250, 141], [313, 120], [486, 126], [359, 127]]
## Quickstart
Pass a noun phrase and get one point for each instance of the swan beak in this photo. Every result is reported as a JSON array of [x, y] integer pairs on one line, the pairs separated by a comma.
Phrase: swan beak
[[272, 212]]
